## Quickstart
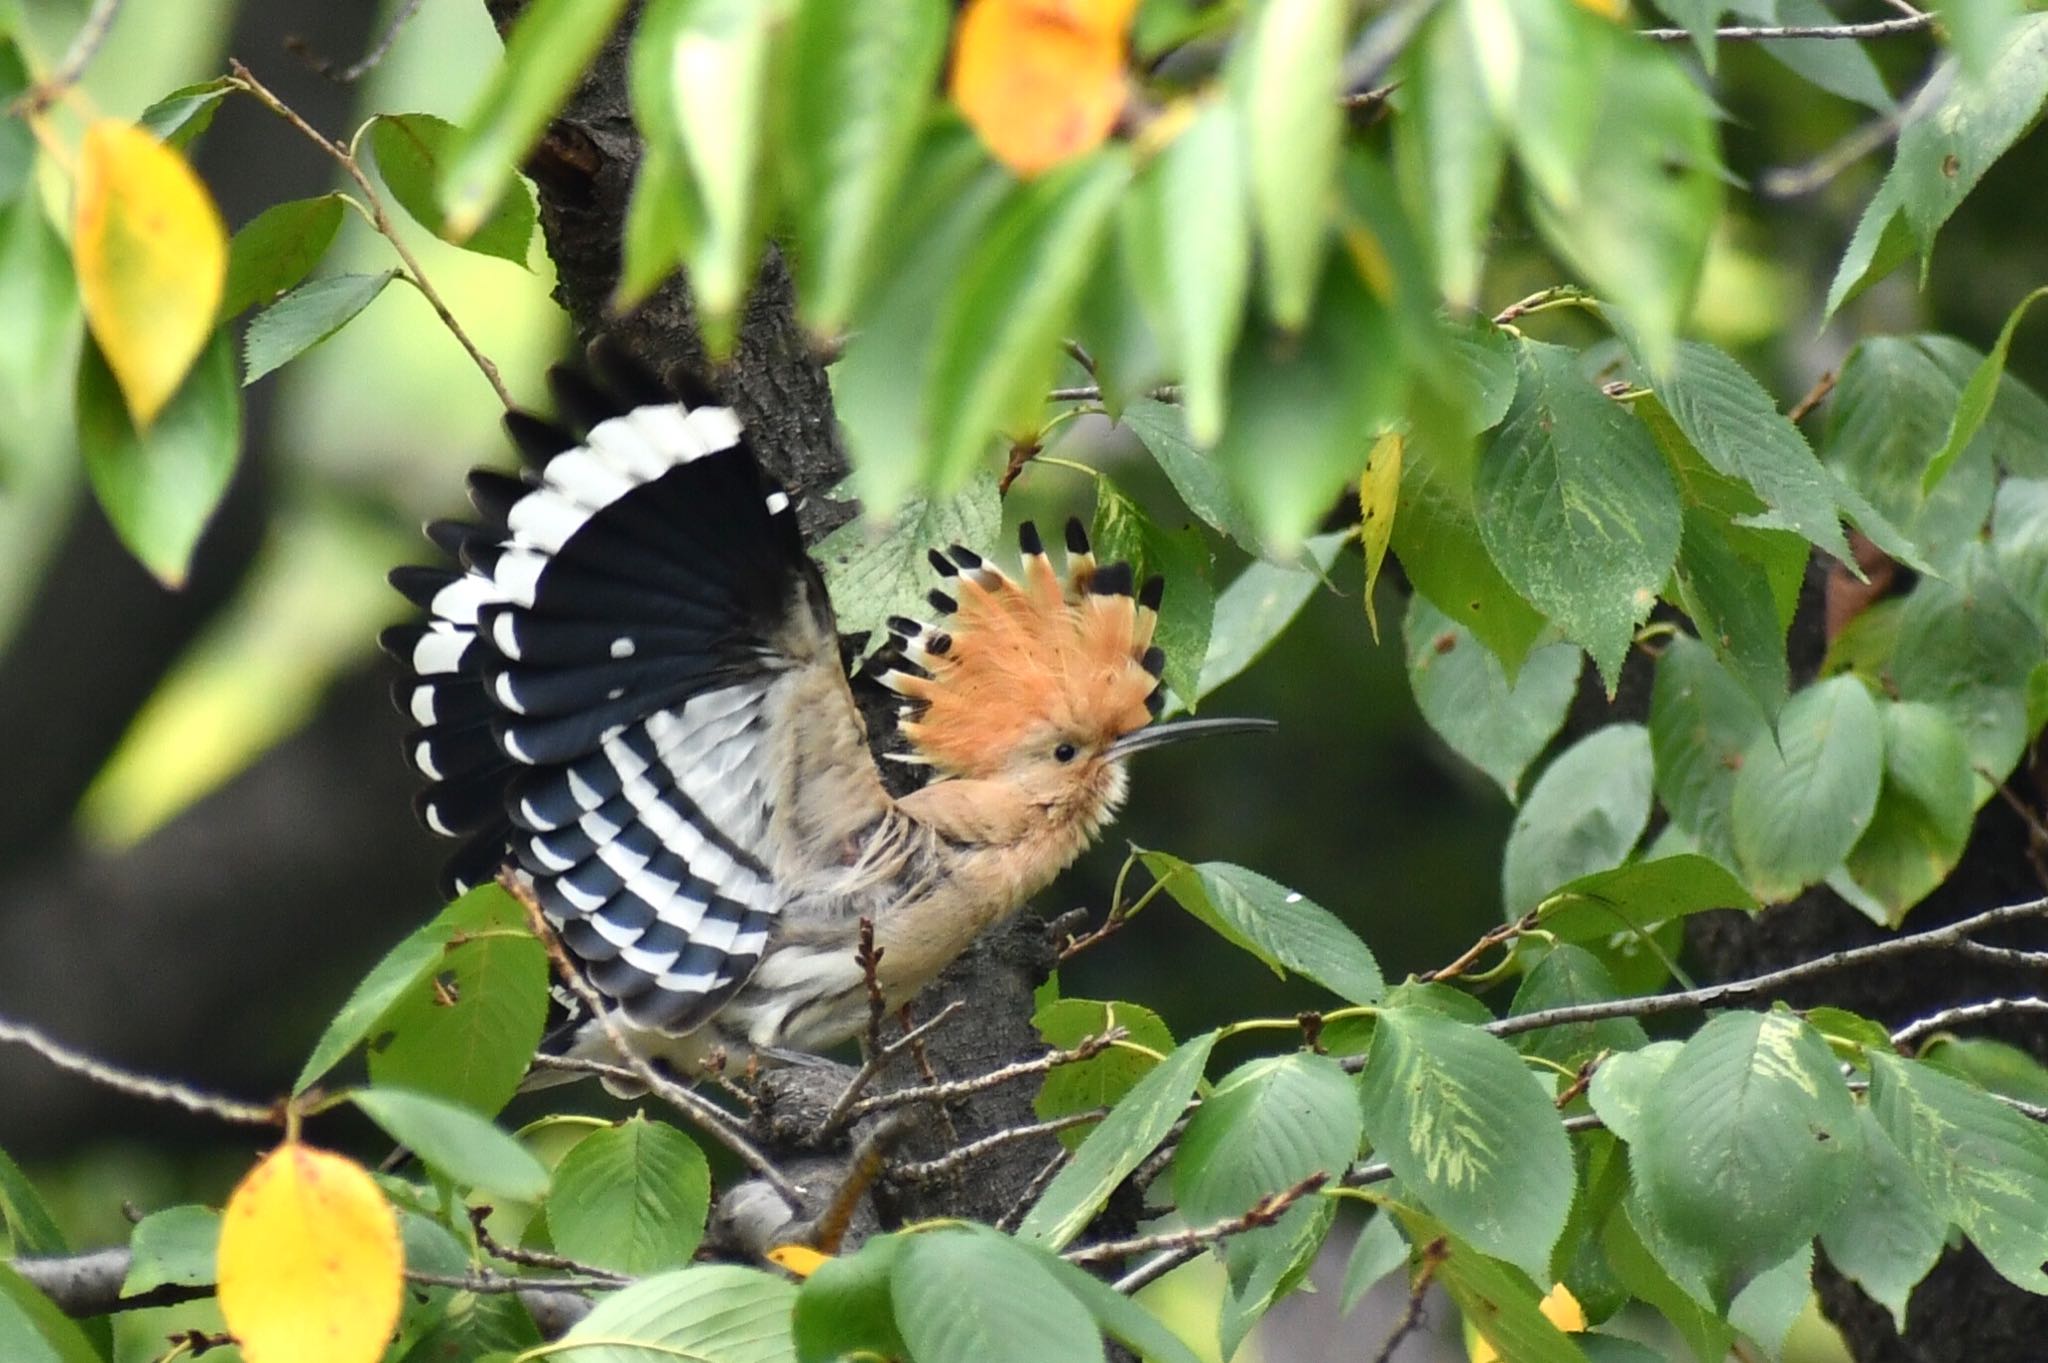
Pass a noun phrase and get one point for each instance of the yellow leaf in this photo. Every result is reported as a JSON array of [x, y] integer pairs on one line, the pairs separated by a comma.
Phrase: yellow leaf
[[1560, 1308], [1379, 491], [152, 259], [1041, 81], [310, 1265], [801, 1260]]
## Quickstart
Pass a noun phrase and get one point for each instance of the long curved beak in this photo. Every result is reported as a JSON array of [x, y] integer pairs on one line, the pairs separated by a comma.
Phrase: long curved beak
[[1154, 735]]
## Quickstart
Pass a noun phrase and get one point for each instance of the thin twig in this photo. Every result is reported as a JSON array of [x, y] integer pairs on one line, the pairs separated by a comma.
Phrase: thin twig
[[1155, 1268], [1916, 1031], [708, 1115], [1760, 33], [1014, 1217], [1822, 386], [2019, 960], [142, 1085], [1092, 393], [1738, 991], [379, 219], [85, 45], [961, 1156], [1507, 932], [531, 1258], [1264, 1212], [828, 1231], [877, 1061], [485, 1281], [1087, 1049], [371, 59], [1780, 183], [868, 957], [1411, 1319]]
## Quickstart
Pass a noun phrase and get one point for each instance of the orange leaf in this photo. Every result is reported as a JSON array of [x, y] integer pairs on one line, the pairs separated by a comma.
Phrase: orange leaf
[[1041, 81], [801, 1260], [152, 258], [310, 1265]]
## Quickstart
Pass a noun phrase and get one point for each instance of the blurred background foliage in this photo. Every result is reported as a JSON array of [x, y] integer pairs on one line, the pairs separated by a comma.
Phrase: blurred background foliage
[[1353, 802]]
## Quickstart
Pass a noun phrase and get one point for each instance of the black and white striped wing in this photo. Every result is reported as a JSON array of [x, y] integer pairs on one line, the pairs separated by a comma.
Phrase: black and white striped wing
[[596, 688]]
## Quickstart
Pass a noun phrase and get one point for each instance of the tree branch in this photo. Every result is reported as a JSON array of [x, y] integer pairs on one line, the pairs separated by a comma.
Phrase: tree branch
[[1879, 28]]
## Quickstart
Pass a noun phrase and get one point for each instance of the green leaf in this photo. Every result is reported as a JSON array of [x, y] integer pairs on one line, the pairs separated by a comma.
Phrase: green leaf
[[28, 1223], [1266, 1126], [1983, 1164], [1527, 54], [1502, 1305], [1464, 694], [39, 298], [467, 1032], [1974, 405], [1643, 1276], [1625, 1085], [160, 488], [1470, 1132], [1257, 607], [1995, 1066], [1272, 1264], [1305, 409], [1569, 975], [716, 57], [1116, 1146], [1632, 899], [664, 221], [550, 44], [873, 573], [1104, 1080], [1123, 531], [17, 139], [1437, 539], [455, 1141], [2019, 542], [1576, 507], [305, 317], [1732, 607], [33, 1330], [1702, 722], [881, 385], [1378, 1251], [276, 249], [1273, 923], [403, 968], [631, 1198], [1584, 814], [1738, 429], [1118, 1316], [963, 1297], [1924, 810], [1945, 150], [1747, 1145], [1886, 1234], [182, 115], [714, 1313], [1647, 194], [172, 1247], [998, 334], [1187, 232], [843, 1307], [858, 82], [1286, 81], [1196, 476], [1839, 66], [412, 154], [1805, 795], [1770, 1305], [1967, 647], [1880, 244], [1449, 153]]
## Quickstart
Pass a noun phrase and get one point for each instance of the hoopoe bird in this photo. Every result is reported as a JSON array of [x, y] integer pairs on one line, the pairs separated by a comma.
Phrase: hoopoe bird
[[631, 689]]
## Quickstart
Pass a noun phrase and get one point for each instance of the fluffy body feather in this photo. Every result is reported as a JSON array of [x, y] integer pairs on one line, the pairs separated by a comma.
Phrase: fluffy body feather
[[629, 688]]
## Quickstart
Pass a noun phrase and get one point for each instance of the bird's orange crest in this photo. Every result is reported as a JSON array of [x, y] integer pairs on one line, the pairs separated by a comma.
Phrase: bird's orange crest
[[1009, 663]]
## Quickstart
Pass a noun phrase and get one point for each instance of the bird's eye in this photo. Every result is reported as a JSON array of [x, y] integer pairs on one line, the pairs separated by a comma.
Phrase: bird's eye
[[1064, 753]]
